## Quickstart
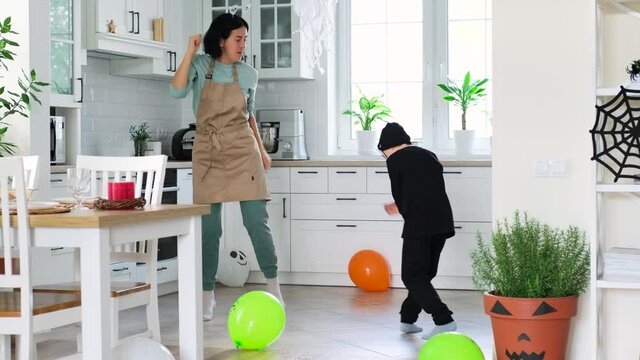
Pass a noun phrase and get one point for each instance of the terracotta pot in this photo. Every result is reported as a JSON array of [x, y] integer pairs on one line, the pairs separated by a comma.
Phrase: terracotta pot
[[530, 329]]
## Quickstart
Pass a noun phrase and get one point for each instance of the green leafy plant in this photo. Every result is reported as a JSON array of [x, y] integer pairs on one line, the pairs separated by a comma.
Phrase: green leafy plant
[[526, 259], [140, 132], [371, 110], [464, 96], [634, 70], [14, 102]]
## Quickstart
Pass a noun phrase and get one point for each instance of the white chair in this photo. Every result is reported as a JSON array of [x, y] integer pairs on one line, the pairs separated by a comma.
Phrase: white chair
[[147, 172], [30, 166], [22, 312]]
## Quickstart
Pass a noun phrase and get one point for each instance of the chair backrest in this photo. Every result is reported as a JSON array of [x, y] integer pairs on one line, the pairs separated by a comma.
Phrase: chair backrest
[[12, 276], [30, 166], [147, 172]]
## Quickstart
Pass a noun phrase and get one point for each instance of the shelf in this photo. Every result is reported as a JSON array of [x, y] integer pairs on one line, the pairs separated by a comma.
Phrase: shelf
[[618, 188], [619, 281]]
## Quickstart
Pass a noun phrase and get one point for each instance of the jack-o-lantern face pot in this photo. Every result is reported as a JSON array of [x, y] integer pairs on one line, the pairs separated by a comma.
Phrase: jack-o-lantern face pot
[[530, 329]]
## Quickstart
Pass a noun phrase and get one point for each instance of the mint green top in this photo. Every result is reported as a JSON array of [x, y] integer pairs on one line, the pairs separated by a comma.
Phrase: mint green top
[[222, 73]]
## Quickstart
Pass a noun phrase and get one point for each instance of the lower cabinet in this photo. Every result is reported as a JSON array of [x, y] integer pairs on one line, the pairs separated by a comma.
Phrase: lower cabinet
[[327, 246], [236, 236], [455, 259], [60, 259]]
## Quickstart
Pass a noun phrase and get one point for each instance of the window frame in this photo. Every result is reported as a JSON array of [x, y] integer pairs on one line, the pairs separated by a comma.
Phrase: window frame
[[435, 122]]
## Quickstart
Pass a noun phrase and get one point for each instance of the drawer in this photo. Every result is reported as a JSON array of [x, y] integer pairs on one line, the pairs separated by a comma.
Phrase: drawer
[[378, 180], [167, 270], [309, 180], [347, 180], [455, 259], [278, 180], [123, 271], [341, 207], [184, 174], [469, 191], [327, 246]]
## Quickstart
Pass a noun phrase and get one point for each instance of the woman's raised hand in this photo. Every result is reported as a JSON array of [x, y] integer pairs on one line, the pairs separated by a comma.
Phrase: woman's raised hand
[[194, 43]]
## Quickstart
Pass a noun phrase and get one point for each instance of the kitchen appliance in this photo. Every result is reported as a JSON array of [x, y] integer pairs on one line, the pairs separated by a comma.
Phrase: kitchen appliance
[[182, 143], [57, 140], [282, 133]]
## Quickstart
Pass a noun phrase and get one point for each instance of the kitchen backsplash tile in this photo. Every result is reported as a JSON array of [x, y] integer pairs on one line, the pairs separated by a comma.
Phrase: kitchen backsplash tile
[[113, 103]]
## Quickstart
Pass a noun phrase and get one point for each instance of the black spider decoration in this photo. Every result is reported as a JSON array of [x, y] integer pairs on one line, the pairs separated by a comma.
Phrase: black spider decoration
[[634, 72]]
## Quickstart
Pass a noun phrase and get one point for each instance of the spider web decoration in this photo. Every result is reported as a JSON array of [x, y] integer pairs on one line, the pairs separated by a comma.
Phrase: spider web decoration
[[616, 135]]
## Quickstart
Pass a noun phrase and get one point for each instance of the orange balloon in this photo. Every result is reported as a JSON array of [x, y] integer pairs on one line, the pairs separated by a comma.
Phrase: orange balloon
[[369, 270]]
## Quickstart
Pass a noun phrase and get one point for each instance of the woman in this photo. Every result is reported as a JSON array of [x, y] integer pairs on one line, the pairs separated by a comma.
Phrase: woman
[[229, 160]]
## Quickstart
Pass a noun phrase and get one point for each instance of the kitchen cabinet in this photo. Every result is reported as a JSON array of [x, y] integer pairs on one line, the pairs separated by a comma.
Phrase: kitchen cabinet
[[185, 186], [65, 29], [133, 35], [279, 50], [164, 67], [275, 48]]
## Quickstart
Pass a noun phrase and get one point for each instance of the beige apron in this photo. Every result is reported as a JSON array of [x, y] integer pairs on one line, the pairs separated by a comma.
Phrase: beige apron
[[226, 159]]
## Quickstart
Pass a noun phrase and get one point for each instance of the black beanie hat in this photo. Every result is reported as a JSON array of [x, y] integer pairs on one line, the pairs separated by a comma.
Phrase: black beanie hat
[[393, 135]]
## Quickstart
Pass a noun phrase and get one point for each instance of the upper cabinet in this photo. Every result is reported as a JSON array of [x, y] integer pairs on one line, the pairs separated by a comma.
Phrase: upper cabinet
[[275, 49], [278, 49], [125, 27], [66, 81]]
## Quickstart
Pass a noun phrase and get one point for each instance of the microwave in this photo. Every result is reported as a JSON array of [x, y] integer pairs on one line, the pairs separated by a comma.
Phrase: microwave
[[57, 139]]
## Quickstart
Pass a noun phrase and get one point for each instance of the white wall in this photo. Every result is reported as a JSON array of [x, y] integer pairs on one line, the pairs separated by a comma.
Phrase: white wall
[[544, 91], [113, 103]]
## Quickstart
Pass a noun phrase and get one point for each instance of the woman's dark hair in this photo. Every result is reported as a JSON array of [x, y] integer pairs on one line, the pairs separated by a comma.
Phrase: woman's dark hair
[[221, 27]]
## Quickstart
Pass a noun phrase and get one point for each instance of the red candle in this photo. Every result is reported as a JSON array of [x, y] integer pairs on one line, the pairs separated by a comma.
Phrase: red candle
[[123, 190]]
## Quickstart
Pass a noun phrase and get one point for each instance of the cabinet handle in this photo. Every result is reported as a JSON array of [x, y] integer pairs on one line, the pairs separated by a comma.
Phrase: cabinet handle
[[244, 59], [138, 25], [120, 269], [170, 57], [307, 172], [457, 227], [284, 207], [162, 268], [56, 180], [254, 61], [175, 55], [452, 172], [133, 20], [57, 248], [350, 199], [81, 89], [346, 226], [346, 172], [381, 172]]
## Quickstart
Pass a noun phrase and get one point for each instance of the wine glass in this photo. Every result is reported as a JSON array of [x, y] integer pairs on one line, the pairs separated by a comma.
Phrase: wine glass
[[78, 183]]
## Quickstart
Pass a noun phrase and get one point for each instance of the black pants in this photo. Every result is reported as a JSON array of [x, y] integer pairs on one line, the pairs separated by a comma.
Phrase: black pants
[[420, 257]]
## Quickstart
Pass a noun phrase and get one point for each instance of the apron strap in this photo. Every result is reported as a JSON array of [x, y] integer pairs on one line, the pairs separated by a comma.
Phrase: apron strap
[[235, 73]]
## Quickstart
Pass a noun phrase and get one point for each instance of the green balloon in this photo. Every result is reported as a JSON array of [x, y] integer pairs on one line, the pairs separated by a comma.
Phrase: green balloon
[[256, 320], [450, 346]]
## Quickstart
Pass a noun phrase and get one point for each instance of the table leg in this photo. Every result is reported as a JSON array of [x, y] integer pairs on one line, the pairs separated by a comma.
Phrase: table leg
[[94, 262], [190, 292]]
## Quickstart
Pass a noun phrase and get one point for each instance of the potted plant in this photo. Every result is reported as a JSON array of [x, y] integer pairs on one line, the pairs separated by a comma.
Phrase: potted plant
[[140, 136], [533, 274], [464, 96], [370, 110], [12, 102]]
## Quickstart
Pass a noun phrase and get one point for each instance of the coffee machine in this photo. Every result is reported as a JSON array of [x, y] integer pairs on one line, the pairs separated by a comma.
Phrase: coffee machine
[[282, 133]]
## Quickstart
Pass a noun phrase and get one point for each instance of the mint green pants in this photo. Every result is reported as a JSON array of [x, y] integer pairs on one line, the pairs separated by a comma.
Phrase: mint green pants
[[254, 218]]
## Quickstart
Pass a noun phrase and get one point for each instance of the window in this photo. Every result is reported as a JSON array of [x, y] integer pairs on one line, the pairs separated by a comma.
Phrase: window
[[401, 50]]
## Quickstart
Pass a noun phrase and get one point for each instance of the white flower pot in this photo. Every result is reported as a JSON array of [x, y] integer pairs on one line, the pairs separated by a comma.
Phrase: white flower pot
[[367, 142], [464, 140]]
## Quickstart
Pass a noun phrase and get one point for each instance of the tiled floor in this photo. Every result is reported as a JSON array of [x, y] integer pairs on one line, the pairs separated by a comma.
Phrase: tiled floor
[[322, 323]]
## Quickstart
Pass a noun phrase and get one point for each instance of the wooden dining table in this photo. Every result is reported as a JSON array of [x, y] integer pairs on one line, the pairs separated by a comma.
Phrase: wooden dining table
[[95, 231]]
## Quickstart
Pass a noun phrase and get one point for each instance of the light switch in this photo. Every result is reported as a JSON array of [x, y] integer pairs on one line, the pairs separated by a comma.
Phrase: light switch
[[558, 167], [541, 168]]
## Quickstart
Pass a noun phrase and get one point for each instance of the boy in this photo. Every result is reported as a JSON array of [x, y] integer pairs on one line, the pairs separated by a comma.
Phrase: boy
[[417, 186]]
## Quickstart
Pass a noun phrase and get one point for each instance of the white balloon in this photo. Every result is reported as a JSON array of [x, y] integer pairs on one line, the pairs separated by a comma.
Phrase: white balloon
[[233, 267], [140, 348]]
